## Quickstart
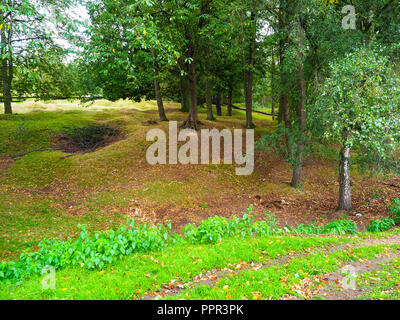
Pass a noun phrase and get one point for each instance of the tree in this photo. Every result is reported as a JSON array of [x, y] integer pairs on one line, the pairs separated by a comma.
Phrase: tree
[[124, 51], [359, 108], [26, 24]]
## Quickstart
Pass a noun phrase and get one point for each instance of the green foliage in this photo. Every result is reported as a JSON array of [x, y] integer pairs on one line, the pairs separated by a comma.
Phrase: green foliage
[[90, 136], [214, 229], [95, 250], [358, 106], [381, 225], [395, 210], [312, 228], [341, 227], [90, 250]]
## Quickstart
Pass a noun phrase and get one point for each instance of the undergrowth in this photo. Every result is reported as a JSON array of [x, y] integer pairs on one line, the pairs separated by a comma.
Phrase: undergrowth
[[95, 250]]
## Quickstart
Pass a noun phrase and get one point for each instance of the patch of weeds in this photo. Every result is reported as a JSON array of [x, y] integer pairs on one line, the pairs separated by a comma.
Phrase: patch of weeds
[[385, 224], [308, 229], [395, 210], [91, 250], [214, 229], [377, 195], [381, 225], [341, 227], [203, 205]]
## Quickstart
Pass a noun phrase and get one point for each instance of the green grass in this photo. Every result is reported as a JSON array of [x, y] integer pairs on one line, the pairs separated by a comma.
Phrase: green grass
[[381, 284], [137, 274], [276, 282], [287, 261]]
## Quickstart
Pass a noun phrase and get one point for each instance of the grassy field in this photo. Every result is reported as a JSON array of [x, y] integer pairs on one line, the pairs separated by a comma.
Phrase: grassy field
[[46, 195]]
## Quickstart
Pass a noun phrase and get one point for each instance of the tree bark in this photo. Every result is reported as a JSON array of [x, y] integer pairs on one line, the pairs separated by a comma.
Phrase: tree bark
[[230, 98], [191, 122], [218, 104], [210, 115], [248, 65], [284, 108], [301, 114], [297, 172], [193, 44], [273, 107], [184, 94], [344, 177], [160, 105], [6, 75], [273, 85]]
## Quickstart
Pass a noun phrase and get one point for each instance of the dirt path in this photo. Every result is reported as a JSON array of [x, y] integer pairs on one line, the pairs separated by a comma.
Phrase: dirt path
[[341, 285]]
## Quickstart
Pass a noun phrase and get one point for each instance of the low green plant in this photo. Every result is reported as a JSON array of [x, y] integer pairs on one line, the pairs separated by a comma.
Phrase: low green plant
[[90, 250], [214, 229], [395, 210], [307, 229], [341, 227], [381, 225]]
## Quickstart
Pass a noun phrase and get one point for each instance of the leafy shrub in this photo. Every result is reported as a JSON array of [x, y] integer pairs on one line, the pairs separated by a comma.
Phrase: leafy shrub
[[267, 227], [89, 137], [395, 211], [307, 229], [95, 250], [381, 225], [341, 227], [214, 229], [91, 251]]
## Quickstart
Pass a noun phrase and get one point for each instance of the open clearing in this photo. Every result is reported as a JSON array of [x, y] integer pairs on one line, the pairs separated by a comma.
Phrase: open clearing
[[47, 194]]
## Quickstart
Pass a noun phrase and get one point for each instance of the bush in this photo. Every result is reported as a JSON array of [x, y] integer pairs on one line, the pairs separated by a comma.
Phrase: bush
[[214, 229], [91, 251], [95, 250], [341, 227], [395, 211], [381, 225], [308, 229]]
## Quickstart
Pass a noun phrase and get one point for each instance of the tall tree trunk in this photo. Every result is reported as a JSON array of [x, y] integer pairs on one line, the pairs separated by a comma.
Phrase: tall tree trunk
[[184, 93], [6, 75], [301, 115], [273, 85], [218, 104], [210, 115], [160, 105], [344, 176], [230, 98], [297, 172], [284, 108], [184, 86], [273, 106], [248, 66], [191, 122]]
